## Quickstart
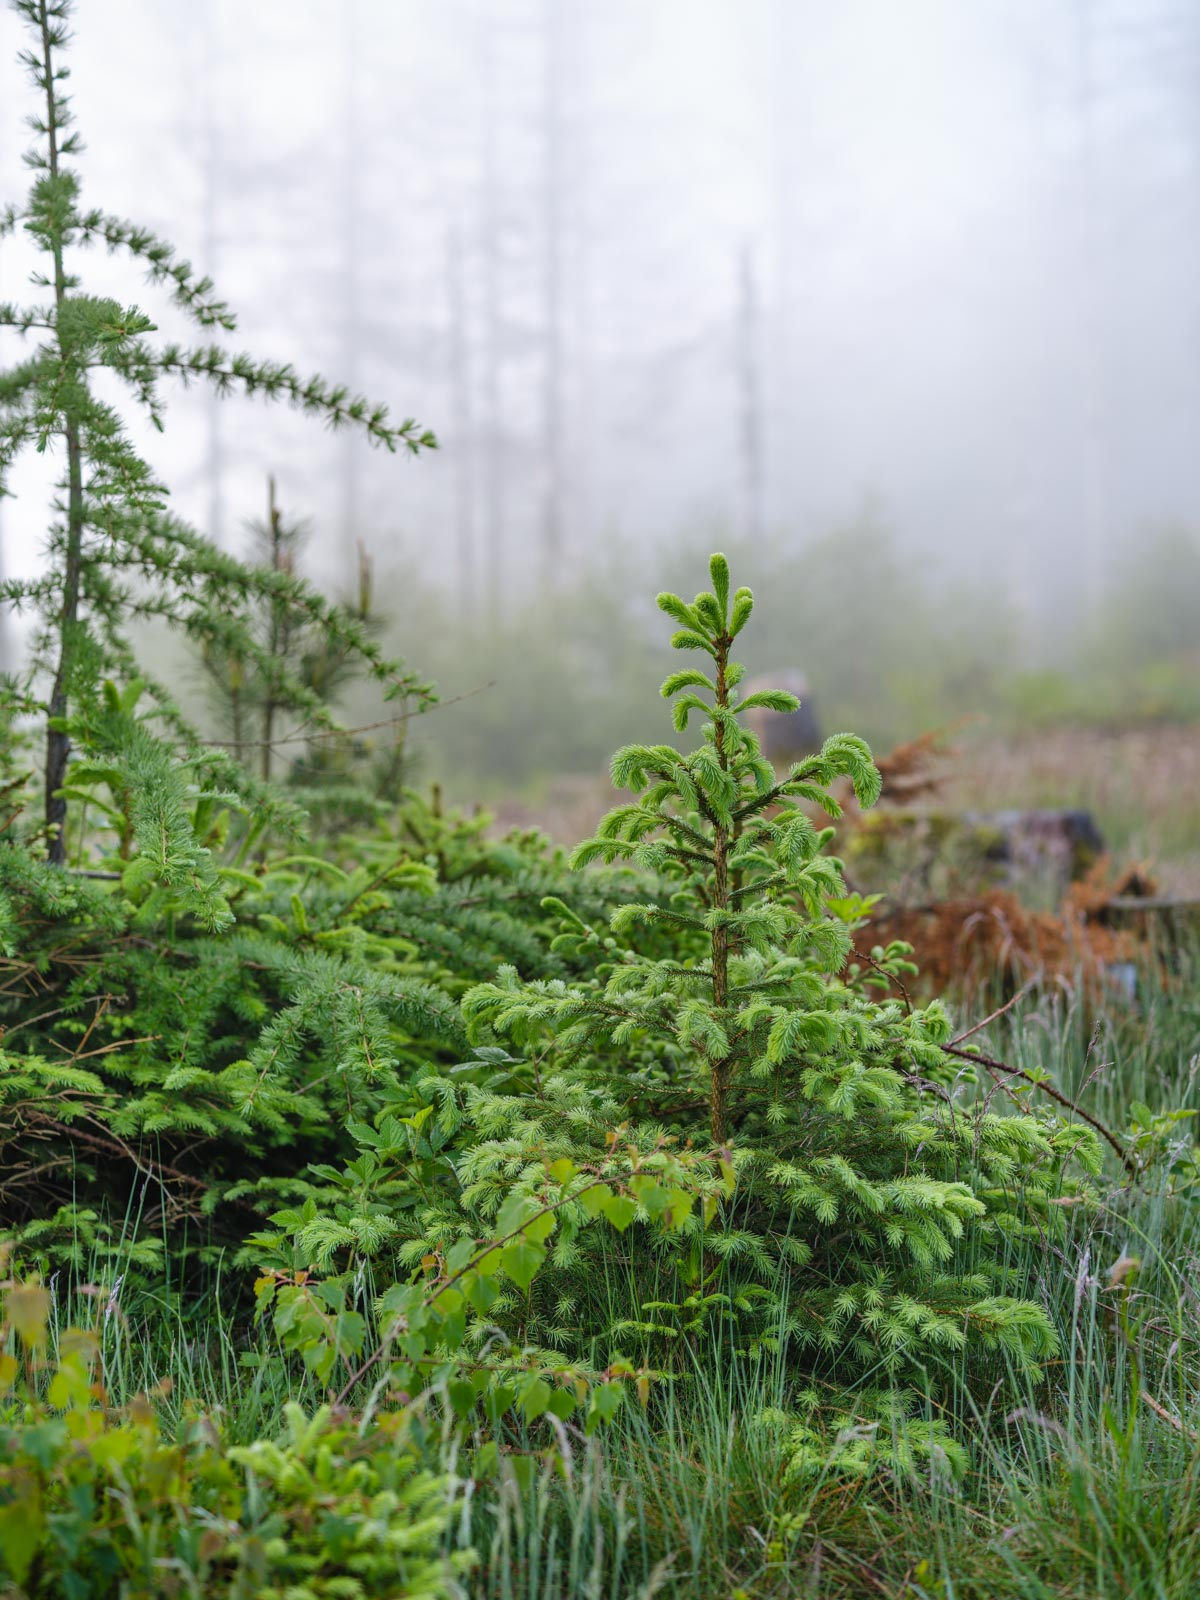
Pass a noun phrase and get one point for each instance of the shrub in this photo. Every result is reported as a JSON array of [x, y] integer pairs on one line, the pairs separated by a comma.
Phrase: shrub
[[220, 1064], [874, 1208], [96, 1501]]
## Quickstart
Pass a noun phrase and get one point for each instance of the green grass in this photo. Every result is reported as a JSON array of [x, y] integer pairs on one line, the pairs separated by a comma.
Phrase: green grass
[[1084, 1483]]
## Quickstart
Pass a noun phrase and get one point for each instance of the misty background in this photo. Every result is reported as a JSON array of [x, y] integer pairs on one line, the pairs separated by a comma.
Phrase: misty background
[[899, 302]]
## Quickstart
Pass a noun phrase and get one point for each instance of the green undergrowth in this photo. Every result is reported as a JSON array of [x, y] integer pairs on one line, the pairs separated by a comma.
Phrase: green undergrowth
[[392, 1210], [396, 1210]]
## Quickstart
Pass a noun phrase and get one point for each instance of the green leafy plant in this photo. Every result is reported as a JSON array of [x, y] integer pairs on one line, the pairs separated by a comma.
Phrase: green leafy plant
[[99, 1500], [237, 1068], [437, 1330]]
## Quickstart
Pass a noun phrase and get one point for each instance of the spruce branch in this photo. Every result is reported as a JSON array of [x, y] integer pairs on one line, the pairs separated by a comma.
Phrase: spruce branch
[[195, 293], [275, 380]]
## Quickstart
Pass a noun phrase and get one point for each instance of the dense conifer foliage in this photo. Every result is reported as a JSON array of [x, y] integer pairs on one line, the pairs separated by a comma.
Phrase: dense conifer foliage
[[518, 1138], [375, 1190], [873, 1210]]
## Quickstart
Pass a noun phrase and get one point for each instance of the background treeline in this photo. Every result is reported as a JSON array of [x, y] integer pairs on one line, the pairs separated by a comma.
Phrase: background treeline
[[888, 645]]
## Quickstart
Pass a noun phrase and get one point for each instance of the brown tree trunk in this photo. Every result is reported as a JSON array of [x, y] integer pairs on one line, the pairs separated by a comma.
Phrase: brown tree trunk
[[58, 744], [722, 1070]]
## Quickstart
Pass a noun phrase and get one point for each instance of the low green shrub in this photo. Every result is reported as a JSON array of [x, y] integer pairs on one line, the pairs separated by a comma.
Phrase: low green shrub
[[96, 1500]]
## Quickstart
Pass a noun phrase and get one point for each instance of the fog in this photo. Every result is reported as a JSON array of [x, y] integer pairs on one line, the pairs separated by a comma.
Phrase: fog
[[656, 269]]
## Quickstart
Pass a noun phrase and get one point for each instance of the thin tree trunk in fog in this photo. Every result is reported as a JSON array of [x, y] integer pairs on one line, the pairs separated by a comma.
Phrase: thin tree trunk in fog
[[210, 141], [353, 147], [552, 394], [750, 429], [788, 131], [492, 253], [8, 641], [462, 443], [1090, 266], [1026, 552], [8, 661], [58, 741], [277, 630]]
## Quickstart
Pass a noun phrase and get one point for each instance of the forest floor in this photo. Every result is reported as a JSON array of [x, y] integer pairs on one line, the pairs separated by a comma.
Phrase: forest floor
[[1142, 786]]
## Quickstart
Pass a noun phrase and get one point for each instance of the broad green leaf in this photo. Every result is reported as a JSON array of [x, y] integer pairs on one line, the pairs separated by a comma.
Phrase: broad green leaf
[[463, 1396], [28, 1309], [522, 1260], [534, 1397], [620, 1211], [562, 1403], [595, 1199], [515, 1211]]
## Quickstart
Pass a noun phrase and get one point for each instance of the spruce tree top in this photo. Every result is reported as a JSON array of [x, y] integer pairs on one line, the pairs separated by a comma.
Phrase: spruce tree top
[[751, 876]]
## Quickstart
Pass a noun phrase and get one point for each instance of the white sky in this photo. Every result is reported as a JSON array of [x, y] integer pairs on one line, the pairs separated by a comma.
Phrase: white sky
[[953, 315]]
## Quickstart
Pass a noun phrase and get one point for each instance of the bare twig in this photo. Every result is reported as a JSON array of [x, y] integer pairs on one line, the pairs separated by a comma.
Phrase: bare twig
[[999, 1012], [1167, 1416], [1002, 1068], [860, 955], [346, 733]]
